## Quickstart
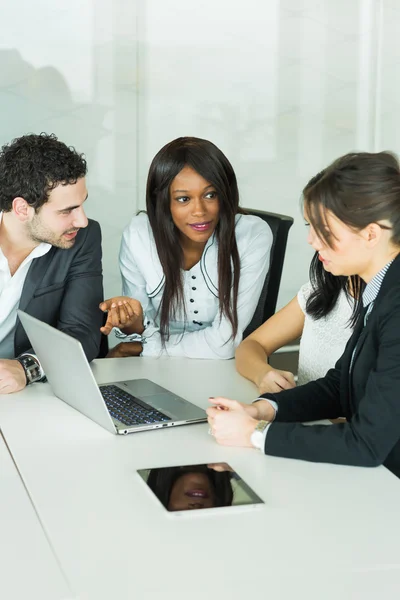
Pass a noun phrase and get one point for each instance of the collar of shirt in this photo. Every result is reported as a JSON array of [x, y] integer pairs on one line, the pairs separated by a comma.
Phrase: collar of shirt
[[40, 250], [372, 289]]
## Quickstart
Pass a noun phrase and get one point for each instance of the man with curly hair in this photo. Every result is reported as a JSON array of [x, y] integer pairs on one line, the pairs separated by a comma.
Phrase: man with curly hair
[[50, 253]]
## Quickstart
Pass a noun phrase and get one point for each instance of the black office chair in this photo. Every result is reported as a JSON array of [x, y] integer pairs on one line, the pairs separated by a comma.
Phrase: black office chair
[[280, 225]]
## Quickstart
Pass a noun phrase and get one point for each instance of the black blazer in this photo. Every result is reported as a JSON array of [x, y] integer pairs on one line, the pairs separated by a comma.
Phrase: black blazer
[[64, 288], [369, 396]]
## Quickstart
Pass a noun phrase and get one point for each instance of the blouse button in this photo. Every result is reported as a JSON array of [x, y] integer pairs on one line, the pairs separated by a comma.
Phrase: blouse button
[[193, 288], [191, 300], [193, 276], [195, 312]]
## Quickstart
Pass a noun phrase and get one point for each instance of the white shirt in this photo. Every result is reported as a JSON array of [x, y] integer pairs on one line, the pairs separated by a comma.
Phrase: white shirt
[[10, 295], [323, 340], [202, 334]]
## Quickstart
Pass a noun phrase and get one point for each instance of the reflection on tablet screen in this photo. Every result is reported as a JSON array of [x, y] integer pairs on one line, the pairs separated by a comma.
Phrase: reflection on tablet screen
[[192, 487]]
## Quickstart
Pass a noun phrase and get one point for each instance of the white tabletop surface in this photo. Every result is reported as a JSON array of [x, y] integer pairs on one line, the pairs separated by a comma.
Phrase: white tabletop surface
[[28, 566], [325, 532]]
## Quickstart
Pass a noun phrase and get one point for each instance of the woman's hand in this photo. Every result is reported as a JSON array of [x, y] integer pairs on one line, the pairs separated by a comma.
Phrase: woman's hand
[[231, 422], [276, 380], [125, 349], [123, 312]]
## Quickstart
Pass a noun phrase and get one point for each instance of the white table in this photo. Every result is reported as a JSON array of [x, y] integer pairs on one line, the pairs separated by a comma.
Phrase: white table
[[326, 531], [28, 566]]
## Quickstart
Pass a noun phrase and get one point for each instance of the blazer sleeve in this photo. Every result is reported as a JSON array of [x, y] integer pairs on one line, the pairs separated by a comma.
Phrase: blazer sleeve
[[80, 316], [368, 438], [215, 341]]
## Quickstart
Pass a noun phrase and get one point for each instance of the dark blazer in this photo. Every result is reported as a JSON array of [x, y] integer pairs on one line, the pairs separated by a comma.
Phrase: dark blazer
[[64, 288], [368, 396]]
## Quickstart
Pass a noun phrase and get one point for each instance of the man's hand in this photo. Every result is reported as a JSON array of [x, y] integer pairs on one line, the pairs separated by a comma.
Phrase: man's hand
[[276, 380], [232, 422], [12, 376], [123, 312], [125, 349]]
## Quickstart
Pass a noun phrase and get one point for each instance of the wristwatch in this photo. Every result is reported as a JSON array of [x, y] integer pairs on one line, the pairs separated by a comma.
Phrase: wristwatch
[[32, 368], [257, 437]]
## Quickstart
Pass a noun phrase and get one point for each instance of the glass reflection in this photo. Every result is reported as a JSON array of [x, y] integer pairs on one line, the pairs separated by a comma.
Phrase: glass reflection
[[193, 487]]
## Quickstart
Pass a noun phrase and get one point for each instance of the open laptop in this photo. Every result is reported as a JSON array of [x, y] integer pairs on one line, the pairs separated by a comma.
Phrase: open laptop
[[120, 407]]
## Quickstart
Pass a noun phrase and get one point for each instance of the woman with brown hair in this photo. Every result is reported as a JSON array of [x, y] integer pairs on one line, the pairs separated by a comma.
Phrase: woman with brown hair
[[353, 212]]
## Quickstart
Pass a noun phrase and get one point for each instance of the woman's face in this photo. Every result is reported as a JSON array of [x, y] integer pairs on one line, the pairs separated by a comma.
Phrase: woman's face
[[194, 206], [348, 255], [191, 491]]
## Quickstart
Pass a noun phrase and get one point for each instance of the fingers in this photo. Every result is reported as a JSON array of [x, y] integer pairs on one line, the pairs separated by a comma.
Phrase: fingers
[[131, 314], [212, 412], [224, 403], [118, 315], [285, 381], [276, 381], [108, 326], [122, 314], [105, 306], [290, 378], [118, 300]]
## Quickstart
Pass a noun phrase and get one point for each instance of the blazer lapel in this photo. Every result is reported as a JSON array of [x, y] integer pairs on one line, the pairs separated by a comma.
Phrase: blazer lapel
[[352, 350], [34, 278]]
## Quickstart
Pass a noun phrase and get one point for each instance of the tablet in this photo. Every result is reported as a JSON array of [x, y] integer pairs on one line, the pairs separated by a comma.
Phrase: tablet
[[208, 487]]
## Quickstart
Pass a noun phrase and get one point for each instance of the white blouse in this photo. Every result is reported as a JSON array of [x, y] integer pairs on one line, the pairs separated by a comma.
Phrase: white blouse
[[323, 340], [202, 333]]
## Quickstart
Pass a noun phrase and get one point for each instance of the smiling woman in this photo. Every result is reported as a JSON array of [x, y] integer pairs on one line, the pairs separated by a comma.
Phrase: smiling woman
[[193, 267]]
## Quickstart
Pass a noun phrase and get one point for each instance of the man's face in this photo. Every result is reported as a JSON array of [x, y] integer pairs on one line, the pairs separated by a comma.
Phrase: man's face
[[58, 221]]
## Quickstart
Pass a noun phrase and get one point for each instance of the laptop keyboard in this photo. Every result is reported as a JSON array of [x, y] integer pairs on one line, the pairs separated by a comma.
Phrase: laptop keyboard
[[128, 409]]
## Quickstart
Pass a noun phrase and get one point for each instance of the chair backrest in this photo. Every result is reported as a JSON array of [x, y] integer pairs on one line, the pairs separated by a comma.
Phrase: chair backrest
[[280, 225]]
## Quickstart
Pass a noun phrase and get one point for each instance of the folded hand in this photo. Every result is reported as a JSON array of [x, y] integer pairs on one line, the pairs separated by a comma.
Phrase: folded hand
[[232, 422]]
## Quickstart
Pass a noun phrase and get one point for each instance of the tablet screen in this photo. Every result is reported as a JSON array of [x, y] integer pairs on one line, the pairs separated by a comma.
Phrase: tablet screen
[[194, 487]]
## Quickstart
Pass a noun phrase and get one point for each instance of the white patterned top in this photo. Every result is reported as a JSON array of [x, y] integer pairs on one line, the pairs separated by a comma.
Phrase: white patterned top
[[197, 331], [323, 340]]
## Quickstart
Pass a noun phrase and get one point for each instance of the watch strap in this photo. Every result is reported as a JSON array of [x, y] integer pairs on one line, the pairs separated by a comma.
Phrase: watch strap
[[32, 367]]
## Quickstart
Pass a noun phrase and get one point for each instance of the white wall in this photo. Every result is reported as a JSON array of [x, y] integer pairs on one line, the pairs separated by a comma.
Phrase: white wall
[[282, 86]]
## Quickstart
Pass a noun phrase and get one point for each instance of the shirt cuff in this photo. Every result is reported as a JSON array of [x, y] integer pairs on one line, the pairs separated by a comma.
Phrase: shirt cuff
[[265, 433], [130, 337], [272, 403]]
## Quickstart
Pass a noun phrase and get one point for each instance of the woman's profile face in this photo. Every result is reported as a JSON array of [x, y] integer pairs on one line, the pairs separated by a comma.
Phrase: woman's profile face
[[191, 491], [348, 253], [194, 206]]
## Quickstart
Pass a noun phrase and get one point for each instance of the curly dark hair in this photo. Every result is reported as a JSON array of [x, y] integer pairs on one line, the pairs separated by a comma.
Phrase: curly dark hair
[[33, 165]]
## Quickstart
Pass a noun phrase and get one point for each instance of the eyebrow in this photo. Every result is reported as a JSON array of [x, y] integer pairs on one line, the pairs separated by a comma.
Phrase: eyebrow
[[72, 207], [186, 191]]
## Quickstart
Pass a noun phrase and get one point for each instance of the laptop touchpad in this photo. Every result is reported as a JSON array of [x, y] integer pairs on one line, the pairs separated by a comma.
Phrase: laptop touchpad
[[143, 387]]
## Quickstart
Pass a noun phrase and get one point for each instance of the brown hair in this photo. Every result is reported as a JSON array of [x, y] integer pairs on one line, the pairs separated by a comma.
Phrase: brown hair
[[359, 188]]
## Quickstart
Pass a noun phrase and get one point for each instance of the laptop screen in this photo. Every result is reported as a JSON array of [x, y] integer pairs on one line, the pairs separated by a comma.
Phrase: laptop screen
[[194, 487]]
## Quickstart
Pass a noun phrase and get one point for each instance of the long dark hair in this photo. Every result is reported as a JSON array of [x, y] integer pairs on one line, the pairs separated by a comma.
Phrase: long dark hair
[[326, 287], [161, 481], [207, 160]]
